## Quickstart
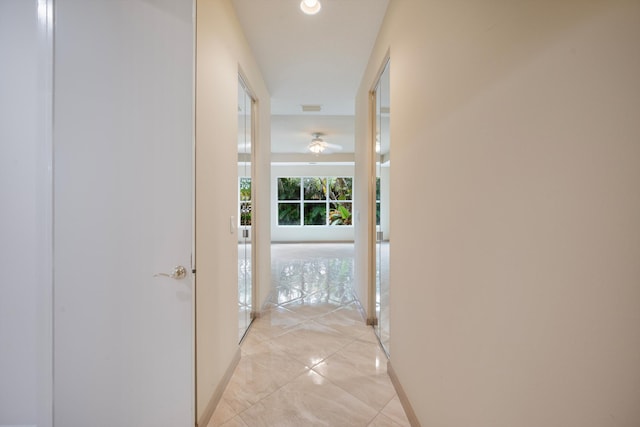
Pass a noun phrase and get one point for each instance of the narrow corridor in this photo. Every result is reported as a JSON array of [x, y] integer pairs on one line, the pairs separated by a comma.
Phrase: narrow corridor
[[310, 360]]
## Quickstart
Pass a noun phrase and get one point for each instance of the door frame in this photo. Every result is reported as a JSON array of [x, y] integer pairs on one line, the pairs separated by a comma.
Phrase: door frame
[[45, 40], [373, 319], [254, 143]]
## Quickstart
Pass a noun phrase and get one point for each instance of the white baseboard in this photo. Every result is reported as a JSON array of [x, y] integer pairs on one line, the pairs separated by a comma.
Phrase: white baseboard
[[408, 409], [217, 394]]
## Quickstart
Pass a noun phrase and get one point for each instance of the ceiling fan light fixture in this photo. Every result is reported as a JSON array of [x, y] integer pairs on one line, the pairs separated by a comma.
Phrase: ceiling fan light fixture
[[310, 7], [316, 147], [317, 144]]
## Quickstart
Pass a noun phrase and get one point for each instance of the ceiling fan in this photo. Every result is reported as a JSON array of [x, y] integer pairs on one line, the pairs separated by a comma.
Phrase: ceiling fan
[[319, 145]]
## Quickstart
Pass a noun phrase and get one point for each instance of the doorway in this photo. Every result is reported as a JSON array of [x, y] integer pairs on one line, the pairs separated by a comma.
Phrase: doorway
[[246, 106], [381, 239]]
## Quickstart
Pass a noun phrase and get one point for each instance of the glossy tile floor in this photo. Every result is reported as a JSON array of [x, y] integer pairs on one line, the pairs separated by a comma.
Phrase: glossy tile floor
[[244, 288], [382, 292], [310, 360]]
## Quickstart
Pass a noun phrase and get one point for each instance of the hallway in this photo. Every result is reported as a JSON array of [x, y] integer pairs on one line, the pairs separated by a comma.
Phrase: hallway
[[310, 359]]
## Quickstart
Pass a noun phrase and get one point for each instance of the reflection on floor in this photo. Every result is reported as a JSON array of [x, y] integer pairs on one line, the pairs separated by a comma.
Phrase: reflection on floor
[[310, 360], [382, 292], [244, 288]]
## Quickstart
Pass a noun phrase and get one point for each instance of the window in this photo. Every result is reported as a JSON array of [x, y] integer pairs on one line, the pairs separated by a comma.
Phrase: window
[[245, 201], [378, 201], [318, 201], [289, 191]]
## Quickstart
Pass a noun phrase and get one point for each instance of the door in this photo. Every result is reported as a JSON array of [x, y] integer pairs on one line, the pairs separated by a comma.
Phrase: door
[[123, 144], [382, 240], [245, 262]]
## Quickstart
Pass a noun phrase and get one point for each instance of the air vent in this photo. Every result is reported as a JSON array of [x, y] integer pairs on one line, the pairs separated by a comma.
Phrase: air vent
[[311, 108]]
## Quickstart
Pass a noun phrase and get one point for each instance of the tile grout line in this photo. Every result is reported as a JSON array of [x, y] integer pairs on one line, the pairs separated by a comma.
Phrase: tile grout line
[[316, 310]]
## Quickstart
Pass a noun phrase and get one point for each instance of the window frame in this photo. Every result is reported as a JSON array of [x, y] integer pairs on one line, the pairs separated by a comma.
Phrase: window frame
[[301, 201]]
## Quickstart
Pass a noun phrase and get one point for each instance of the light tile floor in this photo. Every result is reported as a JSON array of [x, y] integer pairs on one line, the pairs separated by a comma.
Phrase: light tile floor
[[310, 360]]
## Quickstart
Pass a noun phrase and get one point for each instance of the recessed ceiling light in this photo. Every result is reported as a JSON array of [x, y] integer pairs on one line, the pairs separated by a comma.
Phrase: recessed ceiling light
[[310, 7]]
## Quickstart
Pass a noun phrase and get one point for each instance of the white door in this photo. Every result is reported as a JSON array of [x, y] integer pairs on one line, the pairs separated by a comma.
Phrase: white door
[[123, 126]]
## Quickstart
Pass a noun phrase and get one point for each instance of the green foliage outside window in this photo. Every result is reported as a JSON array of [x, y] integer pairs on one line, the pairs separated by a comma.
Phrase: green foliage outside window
[[315, 201], [288, 188], [245, 201], [315, 214], [288, 213], [340, 188], [245, 214], [315, 189], [340, 214], [245, 189]]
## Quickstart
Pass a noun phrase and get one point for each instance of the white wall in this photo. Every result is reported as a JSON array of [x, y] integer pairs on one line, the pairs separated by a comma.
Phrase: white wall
[[516, 300], [222, 51], [300, 233], [25, 216]]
